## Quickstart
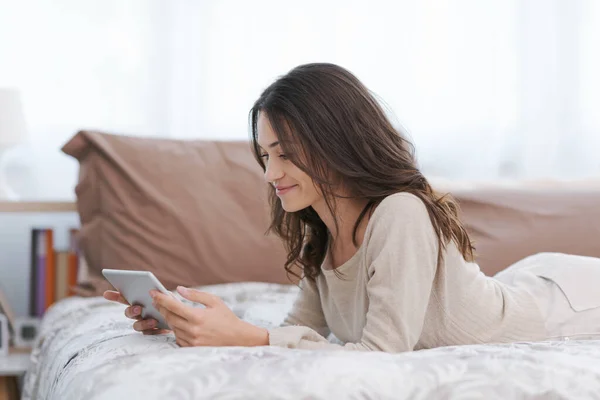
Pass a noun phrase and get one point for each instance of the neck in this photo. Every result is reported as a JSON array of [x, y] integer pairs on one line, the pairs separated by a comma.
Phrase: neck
[[347, 212]]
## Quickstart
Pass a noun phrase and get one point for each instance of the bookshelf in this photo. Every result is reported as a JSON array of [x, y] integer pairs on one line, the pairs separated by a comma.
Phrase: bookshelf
[[37, 206]]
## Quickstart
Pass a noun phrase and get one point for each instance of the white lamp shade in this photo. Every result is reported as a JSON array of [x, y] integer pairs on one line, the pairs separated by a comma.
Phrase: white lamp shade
[[13, 129]]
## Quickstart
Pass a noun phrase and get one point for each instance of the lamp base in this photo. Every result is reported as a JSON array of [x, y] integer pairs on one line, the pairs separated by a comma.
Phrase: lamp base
[[6, 193]]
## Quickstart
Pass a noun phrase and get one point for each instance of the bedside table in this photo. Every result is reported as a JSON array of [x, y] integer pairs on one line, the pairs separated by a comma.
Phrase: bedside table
[[13, 367], [37, 206]]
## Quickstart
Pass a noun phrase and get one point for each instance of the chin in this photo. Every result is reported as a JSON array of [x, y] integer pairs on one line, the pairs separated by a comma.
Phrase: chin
[[292, 206]]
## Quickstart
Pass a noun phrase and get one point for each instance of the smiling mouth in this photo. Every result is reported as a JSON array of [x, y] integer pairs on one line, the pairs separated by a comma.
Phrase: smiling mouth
[[283, 191]]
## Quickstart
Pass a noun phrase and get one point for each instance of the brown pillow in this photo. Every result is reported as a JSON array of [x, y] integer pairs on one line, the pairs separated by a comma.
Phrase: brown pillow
[[192, 212], [510, 223]]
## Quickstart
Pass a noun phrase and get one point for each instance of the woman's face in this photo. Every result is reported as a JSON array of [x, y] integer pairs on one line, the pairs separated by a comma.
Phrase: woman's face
[[293, 186]]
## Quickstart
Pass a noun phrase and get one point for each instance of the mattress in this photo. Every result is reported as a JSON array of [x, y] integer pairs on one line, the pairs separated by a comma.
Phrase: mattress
[[87, 349]]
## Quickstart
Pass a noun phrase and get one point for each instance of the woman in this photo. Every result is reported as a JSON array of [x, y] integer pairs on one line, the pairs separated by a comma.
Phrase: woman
[[386, 264]]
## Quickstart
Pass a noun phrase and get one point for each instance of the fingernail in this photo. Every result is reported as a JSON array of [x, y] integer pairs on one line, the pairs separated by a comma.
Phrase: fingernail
[[137, 310], [182, 289], [152, 293]]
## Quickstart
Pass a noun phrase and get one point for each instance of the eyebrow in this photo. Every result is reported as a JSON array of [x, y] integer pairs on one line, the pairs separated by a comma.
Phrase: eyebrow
[[274, 144]]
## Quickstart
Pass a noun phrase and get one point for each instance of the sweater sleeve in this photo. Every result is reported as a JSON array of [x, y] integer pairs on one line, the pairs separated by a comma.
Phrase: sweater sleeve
[[307, 310], [401, 257]]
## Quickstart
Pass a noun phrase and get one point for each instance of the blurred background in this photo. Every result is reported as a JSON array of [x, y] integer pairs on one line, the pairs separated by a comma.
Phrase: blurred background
[[485, 89]]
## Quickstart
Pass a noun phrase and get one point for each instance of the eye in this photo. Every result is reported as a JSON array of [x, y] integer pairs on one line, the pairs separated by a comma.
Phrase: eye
[[264, 155], [283, 156]]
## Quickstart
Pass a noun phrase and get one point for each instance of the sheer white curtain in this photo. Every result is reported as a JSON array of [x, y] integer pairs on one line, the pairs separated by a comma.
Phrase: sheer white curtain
[[485, 89]]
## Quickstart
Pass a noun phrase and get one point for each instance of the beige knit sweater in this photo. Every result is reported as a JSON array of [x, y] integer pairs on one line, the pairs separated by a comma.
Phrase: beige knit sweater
[[393, 297]]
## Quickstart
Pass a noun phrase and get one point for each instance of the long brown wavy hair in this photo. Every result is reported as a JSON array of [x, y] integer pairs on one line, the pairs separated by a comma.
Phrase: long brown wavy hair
[[331, 126]]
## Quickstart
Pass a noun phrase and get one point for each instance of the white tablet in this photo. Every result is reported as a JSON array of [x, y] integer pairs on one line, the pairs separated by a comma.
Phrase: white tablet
[[135, 286]]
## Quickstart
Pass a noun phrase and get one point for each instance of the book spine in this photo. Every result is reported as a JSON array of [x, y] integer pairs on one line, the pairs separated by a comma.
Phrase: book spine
[[73, 260], [50, 269], [62, 266], [33, 272], [41, 273]]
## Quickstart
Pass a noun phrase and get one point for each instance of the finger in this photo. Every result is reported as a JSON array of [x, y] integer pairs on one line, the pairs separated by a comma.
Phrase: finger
[[185, 336], [208, 299], [145, 324], [182, 342], [156, 331], [133, 312], [175, 321], [115, 296], [170, 317], [170, 303]]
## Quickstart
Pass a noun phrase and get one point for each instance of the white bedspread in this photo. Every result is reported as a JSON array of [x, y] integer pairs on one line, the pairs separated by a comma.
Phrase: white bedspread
[[87, 349]]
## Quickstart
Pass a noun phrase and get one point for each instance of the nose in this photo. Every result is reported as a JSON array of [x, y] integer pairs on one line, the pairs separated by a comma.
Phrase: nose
[[273, 171]]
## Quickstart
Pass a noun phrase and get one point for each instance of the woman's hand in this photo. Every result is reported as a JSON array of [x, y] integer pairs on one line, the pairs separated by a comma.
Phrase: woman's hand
[[146, 326], [215, 325]]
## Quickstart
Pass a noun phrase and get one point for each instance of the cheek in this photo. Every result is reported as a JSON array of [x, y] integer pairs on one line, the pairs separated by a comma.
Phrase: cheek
[[310, 190], [305, 183]]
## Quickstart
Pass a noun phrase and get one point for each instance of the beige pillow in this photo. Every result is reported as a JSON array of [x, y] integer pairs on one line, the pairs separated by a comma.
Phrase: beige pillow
[[195, 212], [192, 212], [509, 223]]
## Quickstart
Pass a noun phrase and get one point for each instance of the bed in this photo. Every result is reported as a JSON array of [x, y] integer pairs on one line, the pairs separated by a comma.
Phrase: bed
[[87, 349], [196, 215]]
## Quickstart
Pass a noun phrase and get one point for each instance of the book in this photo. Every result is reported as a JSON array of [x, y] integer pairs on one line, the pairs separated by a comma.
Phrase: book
[[40, 285], [73, 260], [33, 272], [62, 275], [53, 271], [50, 270]]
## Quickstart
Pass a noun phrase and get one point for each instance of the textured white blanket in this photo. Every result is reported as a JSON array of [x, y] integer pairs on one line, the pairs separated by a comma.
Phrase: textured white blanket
[[88, 350]]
